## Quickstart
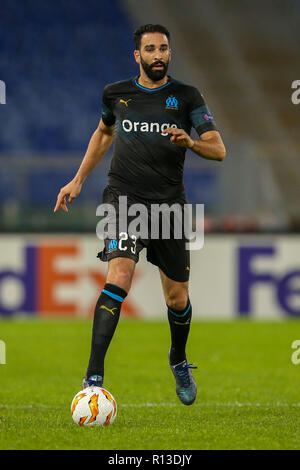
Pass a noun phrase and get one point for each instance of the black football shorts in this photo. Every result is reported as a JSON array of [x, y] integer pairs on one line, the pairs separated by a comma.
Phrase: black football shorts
[[170, 255]]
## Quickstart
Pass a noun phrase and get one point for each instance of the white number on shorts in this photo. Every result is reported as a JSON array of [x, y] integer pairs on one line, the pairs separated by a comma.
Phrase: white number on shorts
[[123, 237], [133, 248]]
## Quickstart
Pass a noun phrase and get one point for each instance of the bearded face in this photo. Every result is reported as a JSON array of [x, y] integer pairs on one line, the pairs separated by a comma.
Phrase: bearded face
[[155, 71], [154, 55]]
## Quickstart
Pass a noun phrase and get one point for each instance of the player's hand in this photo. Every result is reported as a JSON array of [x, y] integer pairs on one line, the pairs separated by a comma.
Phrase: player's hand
[[179, 137], [70, 191]]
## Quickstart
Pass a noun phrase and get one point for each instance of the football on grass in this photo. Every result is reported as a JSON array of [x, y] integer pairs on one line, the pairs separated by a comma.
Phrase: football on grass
[[94, 406]]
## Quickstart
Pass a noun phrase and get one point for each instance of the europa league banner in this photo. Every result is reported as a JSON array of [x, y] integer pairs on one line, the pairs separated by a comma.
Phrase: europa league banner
[[231, 276]]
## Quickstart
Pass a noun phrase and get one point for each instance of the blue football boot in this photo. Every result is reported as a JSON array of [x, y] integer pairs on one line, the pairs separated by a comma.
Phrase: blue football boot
[[92, 381], [186, 387]]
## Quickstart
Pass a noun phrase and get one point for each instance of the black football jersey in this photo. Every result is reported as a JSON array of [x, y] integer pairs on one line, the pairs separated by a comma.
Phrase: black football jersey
[[145, 163]]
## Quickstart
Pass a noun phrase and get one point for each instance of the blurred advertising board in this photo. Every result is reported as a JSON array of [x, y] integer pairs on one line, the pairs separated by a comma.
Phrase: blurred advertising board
[[232, 276]]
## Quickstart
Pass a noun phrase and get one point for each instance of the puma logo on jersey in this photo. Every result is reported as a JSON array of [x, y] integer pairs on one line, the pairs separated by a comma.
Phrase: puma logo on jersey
[[125, 102], [111, 310]]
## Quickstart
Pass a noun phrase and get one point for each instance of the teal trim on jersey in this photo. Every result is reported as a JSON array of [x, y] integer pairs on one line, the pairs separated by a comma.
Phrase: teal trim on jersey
[[151, 89], [197, 116]]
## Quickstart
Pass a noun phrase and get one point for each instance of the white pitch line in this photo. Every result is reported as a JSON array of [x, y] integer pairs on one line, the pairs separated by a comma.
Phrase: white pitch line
[[210, 404], [163, 405]]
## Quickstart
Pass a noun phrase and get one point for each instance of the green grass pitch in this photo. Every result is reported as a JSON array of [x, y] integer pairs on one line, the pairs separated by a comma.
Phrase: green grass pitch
[[248, 388]]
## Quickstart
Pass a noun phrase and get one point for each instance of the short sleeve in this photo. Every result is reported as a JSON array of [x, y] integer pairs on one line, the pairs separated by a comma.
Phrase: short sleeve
[[108, 116], [200, 115]]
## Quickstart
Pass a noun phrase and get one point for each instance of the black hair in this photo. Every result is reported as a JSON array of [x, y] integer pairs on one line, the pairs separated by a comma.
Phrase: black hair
[[149, 28]]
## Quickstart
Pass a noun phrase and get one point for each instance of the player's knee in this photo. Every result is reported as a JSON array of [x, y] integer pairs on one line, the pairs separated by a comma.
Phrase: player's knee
[[120, 273], [177, 299], [121, 278]]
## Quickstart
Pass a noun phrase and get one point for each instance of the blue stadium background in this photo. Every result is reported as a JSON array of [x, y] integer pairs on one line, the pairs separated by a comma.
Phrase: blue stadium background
[[55, 59]]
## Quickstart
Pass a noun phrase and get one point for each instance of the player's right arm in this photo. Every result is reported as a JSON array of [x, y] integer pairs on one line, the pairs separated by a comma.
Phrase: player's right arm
[[99, 144]]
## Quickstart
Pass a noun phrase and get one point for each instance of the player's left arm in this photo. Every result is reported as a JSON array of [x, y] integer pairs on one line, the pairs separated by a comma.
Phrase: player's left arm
[[210, 145]]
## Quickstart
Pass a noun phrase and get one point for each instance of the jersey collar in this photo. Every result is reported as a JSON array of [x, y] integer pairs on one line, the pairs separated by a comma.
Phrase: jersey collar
[[151, 90]]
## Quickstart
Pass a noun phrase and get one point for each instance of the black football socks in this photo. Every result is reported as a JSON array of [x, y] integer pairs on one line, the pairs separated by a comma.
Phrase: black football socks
[[106, 317], [179, 321]]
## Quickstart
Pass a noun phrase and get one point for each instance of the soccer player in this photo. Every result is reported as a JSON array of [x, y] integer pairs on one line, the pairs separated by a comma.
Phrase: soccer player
[[149, 117]]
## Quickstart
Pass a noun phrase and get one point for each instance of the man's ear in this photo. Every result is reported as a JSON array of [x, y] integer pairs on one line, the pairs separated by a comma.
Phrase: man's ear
[[137, 56]]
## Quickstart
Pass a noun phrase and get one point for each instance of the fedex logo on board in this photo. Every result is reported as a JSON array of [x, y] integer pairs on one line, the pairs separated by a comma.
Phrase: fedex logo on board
[[285, 285], [41, 285]]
